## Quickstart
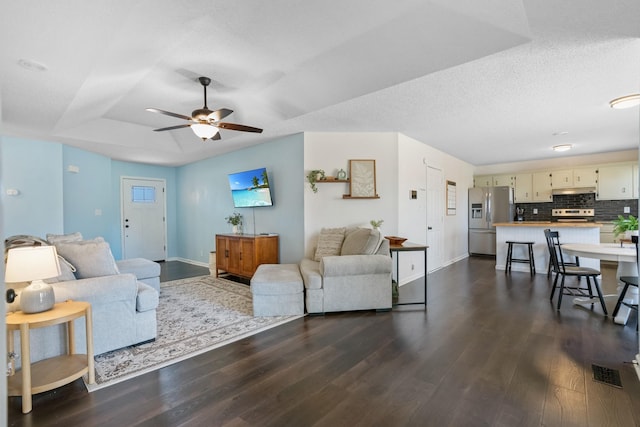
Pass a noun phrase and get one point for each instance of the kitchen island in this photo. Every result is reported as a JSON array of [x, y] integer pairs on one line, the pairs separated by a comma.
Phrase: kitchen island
[[533, 231]]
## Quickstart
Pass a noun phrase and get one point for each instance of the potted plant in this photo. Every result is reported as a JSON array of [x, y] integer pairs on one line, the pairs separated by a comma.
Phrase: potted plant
[[376, 224], [315, 176], [626, 226], [235, 220]]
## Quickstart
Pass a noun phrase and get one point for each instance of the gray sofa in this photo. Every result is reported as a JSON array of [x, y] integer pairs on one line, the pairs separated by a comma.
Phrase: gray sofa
[[352, 272], [123, 303]]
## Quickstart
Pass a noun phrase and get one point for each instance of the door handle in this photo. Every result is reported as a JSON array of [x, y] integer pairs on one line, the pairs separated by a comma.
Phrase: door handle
[[429, 228]]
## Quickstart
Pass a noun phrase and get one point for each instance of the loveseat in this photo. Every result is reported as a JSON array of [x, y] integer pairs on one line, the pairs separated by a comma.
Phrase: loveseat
[[350, 270], [123, 294]]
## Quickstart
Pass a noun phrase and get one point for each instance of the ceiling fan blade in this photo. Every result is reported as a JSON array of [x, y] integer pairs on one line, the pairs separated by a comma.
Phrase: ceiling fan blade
[[219, 114], [233, 126], [169, 113], [173, 127]]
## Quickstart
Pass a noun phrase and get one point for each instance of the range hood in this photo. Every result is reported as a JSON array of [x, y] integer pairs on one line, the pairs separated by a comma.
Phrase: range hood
[[577, 190]]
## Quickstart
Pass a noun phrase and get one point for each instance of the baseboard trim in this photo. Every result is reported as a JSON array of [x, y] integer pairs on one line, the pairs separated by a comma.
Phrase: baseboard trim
[[189, 261]]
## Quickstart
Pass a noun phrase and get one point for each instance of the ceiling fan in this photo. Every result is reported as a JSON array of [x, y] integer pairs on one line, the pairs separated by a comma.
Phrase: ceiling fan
[[204, 122]]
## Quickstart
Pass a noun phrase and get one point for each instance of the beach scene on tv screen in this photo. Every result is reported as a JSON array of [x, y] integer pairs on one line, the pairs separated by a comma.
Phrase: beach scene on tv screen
[[250, 188]]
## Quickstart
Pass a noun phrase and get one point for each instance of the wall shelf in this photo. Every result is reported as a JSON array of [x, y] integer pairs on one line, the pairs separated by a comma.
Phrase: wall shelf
[[347, 196], [325, 181]]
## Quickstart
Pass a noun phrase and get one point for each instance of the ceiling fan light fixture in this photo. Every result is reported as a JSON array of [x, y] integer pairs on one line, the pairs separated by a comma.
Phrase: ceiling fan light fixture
[[562, 147], [625, 101], [204, 131]]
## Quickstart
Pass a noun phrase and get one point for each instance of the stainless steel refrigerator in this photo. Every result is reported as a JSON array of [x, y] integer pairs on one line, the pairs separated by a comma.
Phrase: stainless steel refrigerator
[[487, 206]]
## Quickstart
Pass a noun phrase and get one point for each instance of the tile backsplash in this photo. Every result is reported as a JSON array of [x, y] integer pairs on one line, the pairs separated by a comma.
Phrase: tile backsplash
[[605, 210]]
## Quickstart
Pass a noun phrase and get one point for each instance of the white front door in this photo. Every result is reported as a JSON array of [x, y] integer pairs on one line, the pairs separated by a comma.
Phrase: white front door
[[143, 218], [435, 218]]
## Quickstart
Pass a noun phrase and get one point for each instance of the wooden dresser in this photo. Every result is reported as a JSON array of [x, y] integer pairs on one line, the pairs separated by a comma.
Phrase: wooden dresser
[[241, 254]]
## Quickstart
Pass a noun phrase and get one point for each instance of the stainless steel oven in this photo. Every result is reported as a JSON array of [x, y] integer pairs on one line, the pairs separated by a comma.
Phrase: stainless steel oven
[[573, 215]]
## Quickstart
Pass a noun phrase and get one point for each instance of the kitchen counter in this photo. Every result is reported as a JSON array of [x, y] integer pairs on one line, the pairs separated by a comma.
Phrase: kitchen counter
[[549, 224], [533, 231]]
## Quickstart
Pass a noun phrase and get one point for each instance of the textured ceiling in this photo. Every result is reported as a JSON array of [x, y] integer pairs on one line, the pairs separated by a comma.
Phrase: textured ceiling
[[487, 81]]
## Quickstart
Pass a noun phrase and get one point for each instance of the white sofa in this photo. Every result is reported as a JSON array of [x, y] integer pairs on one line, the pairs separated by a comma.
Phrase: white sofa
[[351, 272], [124, 296]]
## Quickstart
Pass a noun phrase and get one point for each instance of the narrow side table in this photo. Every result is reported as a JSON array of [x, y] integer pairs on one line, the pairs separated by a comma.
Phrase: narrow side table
[[410, 247], [56, 371]]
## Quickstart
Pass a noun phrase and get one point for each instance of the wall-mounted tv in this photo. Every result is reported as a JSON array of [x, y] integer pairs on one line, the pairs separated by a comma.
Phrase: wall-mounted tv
[[250, 188]]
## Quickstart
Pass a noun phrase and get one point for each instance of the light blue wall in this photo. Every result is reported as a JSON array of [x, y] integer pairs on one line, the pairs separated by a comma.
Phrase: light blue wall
[[85, 192], [54, 200], [34, 168], [204, 199]]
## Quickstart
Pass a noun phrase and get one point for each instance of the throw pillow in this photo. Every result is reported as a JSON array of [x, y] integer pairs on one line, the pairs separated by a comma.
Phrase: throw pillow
[[71, 237], [361, 241], [66, 272], [91, 258], [329, 242]]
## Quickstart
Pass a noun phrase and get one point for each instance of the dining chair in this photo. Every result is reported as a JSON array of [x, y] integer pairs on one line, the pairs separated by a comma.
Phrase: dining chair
[[628, 281], [560, 268], [575, 263]]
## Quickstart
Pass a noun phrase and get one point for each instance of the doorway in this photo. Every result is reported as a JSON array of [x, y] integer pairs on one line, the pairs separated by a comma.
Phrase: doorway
[[144, 230], [435, 218]]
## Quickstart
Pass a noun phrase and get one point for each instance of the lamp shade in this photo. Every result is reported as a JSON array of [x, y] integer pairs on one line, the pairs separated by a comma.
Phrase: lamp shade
[[204, 131], [31, 263]]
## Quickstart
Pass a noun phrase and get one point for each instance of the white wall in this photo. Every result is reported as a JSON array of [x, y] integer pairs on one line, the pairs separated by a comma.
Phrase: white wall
[[414, 157], [331, 151], [400, 166]]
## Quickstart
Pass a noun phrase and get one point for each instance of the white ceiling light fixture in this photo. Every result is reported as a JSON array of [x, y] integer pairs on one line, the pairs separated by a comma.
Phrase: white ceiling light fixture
[[625, 101], [562, 147], [204, 131]]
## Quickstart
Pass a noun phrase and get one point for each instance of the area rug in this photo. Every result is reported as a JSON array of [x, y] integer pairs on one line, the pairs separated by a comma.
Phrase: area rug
[[195, 315]]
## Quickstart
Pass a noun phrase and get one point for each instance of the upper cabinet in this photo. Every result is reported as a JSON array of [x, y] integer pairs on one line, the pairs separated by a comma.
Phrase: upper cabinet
[[542, 187], [524, 188], [571, 178], [493, 180], [615, 182], [585, 177]]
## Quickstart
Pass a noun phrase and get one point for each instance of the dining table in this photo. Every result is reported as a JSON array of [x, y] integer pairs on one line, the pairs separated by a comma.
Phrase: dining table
[[622, 253]]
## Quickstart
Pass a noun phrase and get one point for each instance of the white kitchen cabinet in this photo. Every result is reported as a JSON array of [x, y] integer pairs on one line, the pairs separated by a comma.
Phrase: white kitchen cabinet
[[541, 186], [524, 188], [562, 178], [571, 178], [483, 181], [615, 182], [502, 180], [585, 177]]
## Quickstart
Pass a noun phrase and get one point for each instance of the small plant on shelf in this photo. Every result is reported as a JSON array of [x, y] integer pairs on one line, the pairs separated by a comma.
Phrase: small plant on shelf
[[315, 176], [621, 225]]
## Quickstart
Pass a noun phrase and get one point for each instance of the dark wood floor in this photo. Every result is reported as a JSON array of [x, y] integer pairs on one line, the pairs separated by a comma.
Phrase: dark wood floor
[[490, 350]]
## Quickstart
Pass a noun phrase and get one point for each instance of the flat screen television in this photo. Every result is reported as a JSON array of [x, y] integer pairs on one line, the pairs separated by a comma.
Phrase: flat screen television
[[250, 188]]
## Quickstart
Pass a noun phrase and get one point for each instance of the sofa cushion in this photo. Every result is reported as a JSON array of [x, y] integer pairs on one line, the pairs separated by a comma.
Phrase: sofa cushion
[[91, 258], [147, 298], [310, 272], [361, 241], [141, 267], [66, 272], [71, 237], [329, 242]]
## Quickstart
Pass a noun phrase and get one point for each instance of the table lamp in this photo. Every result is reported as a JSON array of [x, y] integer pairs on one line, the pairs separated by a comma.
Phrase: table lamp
[[33, 264]]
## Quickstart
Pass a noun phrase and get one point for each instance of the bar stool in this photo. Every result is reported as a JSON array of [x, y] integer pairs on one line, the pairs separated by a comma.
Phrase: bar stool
[[511, 259]]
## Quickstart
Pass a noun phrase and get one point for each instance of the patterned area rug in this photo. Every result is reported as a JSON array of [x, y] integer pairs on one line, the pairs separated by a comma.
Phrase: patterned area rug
[[195, 315]]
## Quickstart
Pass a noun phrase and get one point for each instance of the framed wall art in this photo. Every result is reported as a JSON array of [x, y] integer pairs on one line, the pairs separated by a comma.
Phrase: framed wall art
[[363, 178]]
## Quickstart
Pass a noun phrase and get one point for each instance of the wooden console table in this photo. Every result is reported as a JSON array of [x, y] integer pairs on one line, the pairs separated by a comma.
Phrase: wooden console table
[[54, 372], [408, 247], [241, 254]]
